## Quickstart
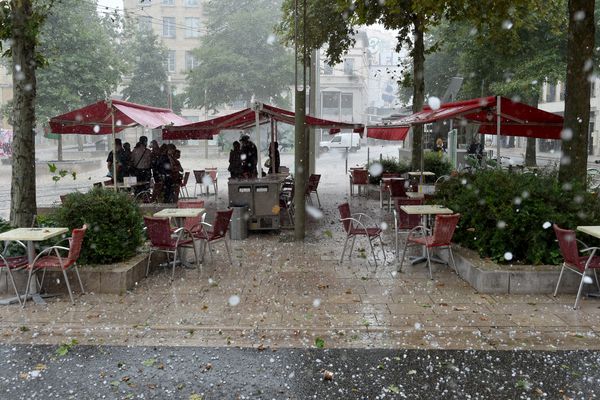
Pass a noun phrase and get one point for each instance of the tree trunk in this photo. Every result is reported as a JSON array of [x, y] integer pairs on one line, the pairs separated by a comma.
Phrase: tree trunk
[[418, 54], [580, 49], [22, 194]]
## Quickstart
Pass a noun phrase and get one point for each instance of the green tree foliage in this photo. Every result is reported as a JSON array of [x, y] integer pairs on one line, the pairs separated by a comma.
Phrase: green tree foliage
[[83, 64], [146, 55], [240, 57]]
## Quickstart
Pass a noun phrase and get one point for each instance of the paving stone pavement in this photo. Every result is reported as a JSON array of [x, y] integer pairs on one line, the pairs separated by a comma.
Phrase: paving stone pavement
[[281, 293]]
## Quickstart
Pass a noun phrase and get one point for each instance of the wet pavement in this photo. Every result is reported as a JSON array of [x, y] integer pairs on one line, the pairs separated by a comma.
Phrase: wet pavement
[[384, 334], [114, 372]]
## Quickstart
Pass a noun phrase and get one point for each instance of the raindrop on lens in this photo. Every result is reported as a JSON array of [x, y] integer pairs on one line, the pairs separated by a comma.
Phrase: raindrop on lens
[[383, 226], [501, 225], [566, 134], [508, 256], [234, 300], [314, 212], [376, 169], [96, 128], [316, 302], [506, 24], [579, 15], [271, 39], [587, 279], [434, 103]]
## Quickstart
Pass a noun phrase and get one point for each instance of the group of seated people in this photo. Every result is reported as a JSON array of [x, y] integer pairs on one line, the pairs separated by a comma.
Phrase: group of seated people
[[158, 162]]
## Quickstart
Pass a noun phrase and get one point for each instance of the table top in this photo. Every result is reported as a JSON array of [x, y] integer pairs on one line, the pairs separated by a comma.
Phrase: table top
[[426, 209], [32, 234], [590, 230], [419, 173], [180, 212]]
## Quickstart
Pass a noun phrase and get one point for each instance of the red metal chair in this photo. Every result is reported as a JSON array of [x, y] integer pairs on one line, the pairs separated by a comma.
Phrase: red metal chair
[[13, 263], [355, 227], [199, 176], [359, 178], [312, 186], [183, 186], [217, 232], [404, 221], [45, 261], [573, 261], [444, 228], [192, 224], [396, 189], [164, 240]]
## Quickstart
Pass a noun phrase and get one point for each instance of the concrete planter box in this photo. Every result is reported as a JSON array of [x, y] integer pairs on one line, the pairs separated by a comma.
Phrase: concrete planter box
[[491, 278], [111, 278]]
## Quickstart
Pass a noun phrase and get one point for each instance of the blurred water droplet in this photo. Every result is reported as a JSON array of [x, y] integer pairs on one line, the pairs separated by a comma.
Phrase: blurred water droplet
[[546, 225], [501, 225], [314, 212], [507, 24], [376, 169], [434, 102], [271, 39], [234, 300], [566, 134], [508, 256], [316, 302]]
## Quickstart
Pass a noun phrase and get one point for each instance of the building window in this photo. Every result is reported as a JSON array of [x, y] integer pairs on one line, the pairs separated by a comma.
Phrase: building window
[[191, 61], [168, 2], [191, 3], [561, 95], [192, 27], [348, 66], [170, 61], [169, 27], [550, 93], [327, 69], [145, 23], [347, 102]]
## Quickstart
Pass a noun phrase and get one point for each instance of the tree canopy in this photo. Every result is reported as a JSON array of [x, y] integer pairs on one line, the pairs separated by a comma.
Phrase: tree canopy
[[240, 57]]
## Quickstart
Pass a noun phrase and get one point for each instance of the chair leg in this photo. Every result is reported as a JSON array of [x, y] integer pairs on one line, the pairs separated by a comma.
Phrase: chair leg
[[351, 248], [452, 258], [399, 269], [344, 250], [597, 283], [228, 252], [580, 289], [174, 263], [372, 251], [68, 287], [210, 251], [318, 200], [148, 263], [429, 262], [79, 278], [559, 279], [382, 249], [12, 280], [198, 266]]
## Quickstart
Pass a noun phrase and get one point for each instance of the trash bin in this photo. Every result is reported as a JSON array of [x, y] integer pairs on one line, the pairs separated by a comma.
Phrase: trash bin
[[238, 229]]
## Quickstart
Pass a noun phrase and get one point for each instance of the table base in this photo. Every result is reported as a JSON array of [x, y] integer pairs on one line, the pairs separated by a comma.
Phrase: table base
[[594, 294], [419, 259]]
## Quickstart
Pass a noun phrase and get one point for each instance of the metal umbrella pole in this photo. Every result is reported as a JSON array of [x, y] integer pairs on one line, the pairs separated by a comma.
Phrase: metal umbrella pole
[[114, 146]]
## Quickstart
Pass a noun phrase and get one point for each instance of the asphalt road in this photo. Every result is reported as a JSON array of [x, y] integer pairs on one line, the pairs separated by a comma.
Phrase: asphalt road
[[113, 372]]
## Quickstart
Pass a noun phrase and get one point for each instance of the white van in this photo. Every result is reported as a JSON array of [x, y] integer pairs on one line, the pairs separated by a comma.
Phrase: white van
[[342, 141]]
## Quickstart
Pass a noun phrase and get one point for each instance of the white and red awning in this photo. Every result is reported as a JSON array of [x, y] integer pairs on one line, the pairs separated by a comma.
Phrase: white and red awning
[[96, 119], [246, 119]]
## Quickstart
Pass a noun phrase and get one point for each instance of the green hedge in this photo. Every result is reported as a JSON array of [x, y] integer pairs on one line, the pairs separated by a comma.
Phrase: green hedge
[[437, 163], [504, 212], [115, 224]]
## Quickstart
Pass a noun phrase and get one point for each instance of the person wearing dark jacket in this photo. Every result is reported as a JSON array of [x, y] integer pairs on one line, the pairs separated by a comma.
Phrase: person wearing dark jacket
[[249, 157], [274, 157], [235, 161]]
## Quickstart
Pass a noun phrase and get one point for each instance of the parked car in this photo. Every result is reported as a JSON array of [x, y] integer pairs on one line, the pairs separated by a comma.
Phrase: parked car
[[350, 141]]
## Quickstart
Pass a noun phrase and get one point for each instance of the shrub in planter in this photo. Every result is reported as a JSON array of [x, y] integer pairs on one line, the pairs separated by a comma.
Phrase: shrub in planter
[[115, 225], [437, 163], [390, 165], [507, 216]]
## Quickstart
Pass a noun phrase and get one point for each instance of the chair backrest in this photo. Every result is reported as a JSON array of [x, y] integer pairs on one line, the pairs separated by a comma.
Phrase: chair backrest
[[407, 221], [397, 187], [186, 176], [221, 224], [444, 228], [97, 184], [159, 231], [63, 198], [360, 176], [76, 243], [199, 174], [190, 204], [108, 182], [313, 181], [568, 246], [344, 210]]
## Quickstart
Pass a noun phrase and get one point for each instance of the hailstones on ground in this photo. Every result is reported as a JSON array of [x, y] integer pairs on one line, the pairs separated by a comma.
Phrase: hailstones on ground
[[234, 300]]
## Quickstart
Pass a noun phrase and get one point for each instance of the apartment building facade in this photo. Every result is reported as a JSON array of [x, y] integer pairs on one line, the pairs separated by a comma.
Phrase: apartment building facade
[[553, 100], [179, 24]]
